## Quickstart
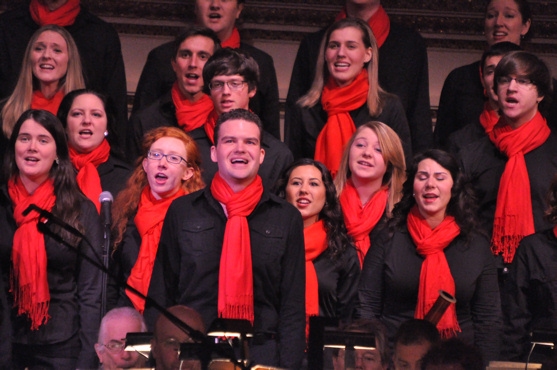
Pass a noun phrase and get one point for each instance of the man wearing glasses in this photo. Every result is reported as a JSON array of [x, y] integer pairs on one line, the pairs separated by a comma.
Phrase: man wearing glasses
[[112, 334]]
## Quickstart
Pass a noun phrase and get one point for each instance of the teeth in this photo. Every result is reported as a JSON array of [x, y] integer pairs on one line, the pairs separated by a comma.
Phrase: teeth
[[191, 75], [160, 176], [46, 66], [31, 159], [303, 201], [239, 161]]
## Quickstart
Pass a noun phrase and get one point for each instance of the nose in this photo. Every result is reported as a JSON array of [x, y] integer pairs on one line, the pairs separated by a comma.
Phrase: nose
[[215, 4], [303, 188], [499, 19], [46, 53], [32, 145], [341, 51]]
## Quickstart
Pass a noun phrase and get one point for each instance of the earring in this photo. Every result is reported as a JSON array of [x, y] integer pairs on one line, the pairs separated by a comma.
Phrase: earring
[[105, 133], [57, 161]]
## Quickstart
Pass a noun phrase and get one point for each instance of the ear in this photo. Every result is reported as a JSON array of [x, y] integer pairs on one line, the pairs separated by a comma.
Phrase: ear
[[262, 157], [525, 27], [214, 153], [252, 92], [369, 55], [188, 174], [99, 350], [173, 63], [144, 164], [239, 10], [539, 99], [154, 351]]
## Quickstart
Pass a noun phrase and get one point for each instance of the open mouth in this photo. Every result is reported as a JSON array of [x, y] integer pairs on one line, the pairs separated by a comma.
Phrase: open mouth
[[46, 66], [85, 133], [239, 161], [215, 16], [365, 164]]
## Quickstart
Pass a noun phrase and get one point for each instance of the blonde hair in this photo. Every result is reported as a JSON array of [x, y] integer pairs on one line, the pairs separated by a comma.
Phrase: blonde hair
[[20, 100], [127, 201], [375, 95], [393, 155]]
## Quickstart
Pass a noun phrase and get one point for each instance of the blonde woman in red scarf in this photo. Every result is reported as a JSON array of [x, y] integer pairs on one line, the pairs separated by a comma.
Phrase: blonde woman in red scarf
[[51, 68], [90, 120], [432, 244], [55, 293], [332, 267], [512, 168], [345, 94], [168, 169], [369, 181]]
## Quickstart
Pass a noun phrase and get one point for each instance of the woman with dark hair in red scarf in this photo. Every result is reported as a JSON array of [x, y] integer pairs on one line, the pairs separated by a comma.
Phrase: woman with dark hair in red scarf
[[332, 267], [168, 168], [90, 121], [431, 244], [54, 291], [345, 94]]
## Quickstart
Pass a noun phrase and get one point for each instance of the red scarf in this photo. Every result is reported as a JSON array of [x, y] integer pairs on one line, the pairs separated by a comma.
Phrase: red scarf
[[190, 115], [87, 177], [489, 118], [63, 16], [28, 278], [210, 125], [315, 240], [360, 220], [39, 101], [435, 274], [233, 41], [148, 220], [338, 102], [236, 273], [514, 217], [379, 23]]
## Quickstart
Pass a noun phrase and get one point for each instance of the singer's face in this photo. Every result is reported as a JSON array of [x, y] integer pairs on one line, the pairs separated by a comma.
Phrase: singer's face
[[35, 152], [165, 178], [86, 123]]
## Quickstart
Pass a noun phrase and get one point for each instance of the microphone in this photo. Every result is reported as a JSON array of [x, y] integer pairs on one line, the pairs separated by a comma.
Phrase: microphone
[[106, 204]]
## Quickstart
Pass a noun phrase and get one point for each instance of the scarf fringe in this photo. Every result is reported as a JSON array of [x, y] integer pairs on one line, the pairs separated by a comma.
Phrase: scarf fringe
[[506, 245], [37, 313], [243, 311]]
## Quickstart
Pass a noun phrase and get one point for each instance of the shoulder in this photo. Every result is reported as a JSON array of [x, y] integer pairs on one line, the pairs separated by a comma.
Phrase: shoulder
[[15, 15], [405, 36], [161, 111], [88, 19], [163, 52], [259, 55], [464, 72], [477, 152]]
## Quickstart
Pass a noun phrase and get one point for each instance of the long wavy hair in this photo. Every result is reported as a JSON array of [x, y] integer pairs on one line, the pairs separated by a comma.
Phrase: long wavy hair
[[125, 205], [462, 205], [109, 109], [376, 95], [20, 100], [68, 197], [393, 155], [331, 214]]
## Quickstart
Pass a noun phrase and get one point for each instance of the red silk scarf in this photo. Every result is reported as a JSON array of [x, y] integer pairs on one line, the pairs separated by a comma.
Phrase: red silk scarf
[[435, 274], [190, 115], [63, 16], [39, 101]]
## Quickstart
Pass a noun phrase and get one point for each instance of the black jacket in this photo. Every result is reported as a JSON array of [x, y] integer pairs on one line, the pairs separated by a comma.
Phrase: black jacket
[[186, 269], [403, 71], [157, 78], [74, 283], [390, 279]]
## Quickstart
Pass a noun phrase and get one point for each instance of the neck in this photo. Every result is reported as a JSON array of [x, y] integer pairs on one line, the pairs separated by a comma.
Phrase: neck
[[49, 89], [225, 34], [32, 184], [366, 189], [310, 221], [362, 11], [191, 97]]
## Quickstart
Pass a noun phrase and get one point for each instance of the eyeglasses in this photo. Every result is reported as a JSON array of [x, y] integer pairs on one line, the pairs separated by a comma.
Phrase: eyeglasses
[[115, 346], [520, 81], [170, 158], [234, 85]]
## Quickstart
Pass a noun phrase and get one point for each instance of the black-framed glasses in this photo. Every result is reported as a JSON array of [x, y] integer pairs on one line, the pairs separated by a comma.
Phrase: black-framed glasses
[[234, 85], [520, 81], [170, 158], [115, 346]]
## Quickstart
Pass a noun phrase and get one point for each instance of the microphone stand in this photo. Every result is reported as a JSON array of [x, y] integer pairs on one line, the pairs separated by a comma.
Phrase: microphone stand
[[47, 218], [104, 276]]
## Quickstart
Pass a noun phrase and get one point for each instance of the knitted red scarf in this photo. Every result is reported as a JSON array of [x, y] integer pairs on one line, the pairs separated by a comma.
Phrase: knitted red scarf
[[360, 220], [63, 16], [148, 220], [315, 241], [435, 274], [86, 165], [190, 115], [39, 101], [233, 41], [489, 118], [514, 217], [28, 278], [210, 125], [338, 102], [236, 273], [379, 23]]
